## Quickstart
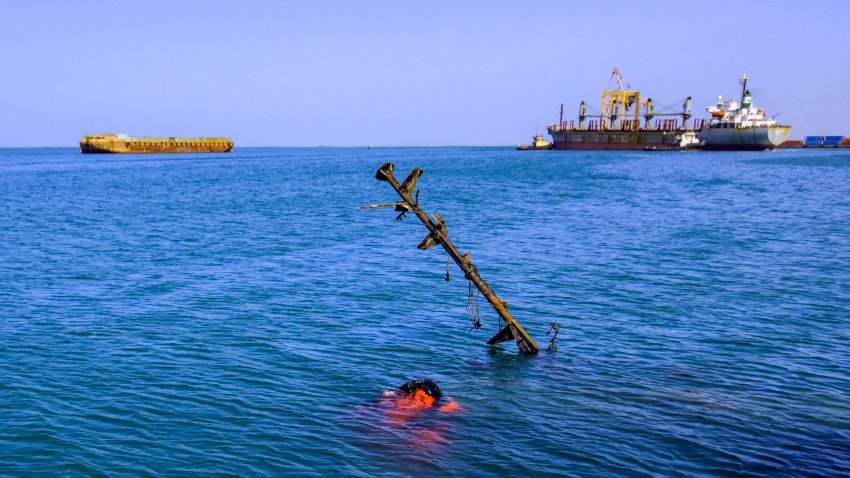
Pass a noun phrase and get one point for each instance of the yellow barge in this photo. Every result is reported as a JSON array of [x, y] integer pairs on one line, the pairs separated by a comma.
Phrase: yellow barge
[[121, 143]]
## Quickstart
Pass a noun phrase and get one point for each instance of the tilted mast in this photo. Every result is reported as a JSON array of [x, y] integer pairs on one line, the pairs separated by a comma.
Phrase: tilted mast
[[438, 234]]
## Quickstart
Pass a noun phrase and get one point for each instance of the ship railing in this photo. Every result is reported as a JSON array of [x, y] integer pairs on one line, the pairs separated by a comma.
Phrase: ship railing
[[661, 125], [564, 126]]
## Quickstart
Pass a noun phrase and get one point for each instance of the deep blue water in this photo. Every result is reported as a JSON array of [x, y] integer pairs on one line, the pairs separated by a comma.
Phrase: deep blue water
[[238, 315]]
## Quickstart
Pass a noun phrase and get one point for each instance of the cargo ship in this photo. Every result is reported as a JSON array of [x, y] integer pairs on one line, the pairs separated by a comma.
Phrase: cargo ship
[[737, 125], [627, 121], [121, 143]]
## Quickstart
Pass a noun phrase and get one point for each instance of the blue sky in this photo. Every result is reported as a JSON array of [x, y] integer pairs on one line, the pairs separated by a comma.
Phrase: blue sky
[[401, 73]]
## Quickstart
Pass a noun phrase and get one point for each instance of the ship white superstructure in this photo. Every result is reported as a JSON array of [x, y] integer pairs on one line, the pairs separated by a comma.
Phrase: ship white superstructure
[[738, 125]]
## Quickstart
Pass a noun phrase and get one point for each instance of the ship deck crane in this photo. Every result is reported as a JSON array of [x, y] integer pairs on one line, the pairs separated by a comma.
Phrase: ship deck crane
[[619, 103], [626, 105]]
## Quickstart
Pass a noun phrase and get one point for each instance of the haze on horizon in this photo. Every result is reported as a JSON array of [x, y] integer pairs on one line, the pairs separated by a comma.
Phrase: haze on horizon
[[400, 73]]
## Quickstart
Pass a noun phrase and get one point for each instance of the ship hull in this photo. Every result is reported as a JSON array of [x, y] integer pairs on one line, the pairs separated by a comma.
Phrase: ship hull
[[615, 140], [119, 144], [744, 139]]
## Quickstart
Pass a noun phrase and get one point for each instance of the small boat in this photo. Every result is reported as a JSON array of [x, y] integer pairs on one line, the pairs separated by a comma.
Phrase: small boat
[[537, 142]]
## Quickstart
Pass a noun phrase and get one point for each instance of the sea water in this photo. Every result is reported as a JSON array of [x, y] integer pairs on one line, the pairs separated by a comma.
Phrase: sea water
[[239, 314]]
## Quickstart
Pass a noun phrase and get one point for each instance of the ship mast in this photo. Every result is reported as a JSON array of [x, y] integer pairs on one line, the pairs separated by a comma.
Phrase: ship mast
[[743, 80], [438, 235]]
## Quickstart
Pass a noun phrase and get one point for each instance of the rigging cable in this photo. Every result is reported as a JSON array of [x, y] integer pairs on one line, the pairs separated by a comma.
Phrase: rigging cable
[[472, 302]]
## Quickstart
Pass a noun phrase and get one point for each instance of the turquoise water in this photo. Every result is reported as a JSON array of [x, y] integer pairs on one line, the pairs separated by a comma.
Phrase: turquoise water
[[239, 315]]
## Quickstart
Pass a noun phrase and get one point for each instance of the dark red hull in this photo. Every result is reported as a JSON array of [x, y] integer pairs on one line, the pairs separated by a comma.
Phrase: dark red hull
[[601, 146]]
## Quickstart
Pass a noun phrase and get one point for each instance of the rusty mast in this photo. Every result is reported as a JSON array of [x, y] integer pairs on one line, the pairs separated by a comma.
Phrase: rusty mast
[[437, 234]]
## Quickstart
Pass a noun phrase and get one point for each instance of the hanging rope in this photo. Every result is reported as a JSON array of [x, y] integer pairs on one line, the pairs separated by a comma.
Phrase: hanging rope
[[472, 302], [448, 270], [670, 108]]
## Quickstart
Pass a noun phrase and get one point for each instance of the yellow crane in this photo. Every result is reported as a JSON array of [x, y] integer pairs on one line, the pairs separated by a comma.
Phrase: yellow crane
[[623, 104]]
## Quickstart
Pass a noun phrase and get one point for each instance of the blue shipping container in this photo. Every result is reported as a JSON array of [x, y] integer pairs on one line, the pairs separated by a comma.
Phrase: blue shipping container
[[832, 140], [813, 140]]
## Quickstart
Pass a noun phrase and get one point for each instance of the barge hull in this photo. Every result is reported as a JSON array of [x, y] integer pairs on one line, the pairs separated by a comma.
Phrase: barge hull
[[123, 144]]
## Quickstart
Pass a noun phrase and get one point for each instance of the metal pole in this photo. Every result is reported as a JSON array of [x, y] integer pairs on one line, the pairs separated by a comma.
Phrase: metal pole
[[561, 122]]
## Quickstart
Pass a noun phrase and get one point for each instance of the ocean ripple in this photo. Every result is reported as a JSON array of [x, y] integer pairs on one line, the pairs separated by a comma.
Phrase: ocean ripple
[[238, 315]]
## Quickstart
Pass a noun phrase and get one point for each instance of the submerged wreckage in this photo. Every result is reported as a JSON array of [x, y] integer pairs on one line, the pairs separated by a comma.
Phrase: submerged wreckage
[[437, 234]]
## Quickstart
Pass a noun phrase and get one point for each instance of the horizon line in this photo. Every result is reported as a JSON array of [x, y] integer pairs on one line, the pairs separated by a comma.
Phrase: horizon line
[[367, 146]]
